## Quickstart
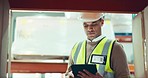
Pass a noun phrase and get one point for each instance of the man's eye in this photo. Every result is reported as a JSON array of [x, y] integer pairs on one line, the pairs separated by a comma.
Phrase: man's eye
[[85, 25]]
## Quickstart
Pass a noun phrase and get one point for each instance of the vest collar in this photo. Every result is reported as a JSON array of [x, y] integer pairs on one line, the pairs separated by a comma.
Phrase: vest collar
[[96, 39]]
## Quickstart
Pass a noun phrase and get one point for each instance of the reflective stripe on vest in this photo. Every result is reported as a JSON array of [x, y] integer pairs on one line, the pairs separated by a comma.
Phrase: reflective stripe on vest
[[104, 52], [106, 46], [77, 52]]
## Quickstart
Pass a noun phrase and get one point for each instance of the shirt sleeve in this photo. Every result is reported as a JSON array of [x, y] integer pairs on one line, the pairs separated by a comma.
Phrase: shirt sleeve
[[119, 61], [70, 62]]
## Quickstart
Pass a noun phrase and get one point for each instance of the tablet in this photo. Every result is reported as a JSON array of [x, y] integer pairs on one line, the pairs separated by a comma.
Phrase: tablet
[[79, 67]]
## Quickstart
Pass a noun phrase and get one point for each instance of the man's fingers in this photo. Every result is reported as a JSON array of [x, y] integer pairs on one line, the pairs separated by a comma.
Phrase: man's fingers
[[97, 74], [83, 75], [88, 73]]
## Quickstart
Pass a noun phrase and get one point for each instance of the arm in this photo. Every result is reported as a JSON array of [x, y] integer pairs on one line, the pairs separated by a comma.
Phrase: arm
[[119, 62], [68, 71]]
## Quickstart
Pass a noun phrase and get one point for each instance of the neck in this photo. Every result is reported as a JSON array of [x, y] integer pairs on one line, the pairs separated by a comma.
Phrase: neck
[[96, 39]]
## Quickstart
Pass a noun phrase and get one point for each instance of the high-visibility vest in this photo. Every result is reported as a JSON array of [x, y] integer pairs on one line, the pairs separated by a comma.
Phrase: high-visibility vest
[[104, 47]]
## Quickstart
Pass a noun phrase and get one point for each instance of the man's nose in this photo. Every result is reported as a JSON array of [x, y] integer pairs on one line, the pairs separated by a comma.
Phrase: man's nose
[[90, 27]]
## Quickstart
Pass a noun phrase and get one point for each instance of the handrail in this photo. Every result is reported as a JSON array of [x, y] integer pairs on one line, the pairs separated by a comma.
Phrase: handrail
[[19, 66]]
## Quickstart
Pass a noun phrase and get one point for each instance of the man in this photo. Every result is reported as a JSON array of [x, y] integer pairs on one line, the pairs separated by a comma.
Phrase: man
[[96, 48]]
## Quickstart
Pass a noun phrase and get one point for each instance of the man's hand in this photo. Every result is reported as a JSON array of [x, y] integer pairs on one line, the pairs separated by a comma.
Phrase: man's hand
[[86, 74], [69, 75]]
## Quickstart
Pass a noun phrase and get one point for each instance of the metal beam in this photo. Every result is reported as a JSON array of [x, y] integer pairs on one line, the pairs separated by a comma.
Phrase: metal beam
[[38, 67], [124, 6], [44, 67]]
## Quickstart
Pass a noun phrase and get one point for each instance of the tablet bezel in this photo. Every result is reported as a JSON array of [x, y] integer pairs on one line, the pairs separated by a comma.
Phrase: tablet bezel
[[79, 67]]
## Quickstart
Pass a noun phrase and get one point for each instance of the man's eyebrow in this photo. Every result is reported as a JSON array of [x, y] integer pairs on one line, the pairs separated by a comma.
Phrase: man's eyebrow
[[84, 23]]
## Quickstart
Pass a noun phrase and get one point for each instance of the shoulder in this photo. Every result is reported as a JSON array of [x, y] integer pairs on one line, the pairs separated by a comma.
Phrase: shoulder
[[118, 51], [117, 45]]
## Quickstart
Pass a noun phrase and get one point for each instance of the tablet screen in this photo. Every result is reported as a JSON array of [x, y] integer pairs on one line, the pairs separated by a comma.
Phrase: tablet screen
[[79, 67]]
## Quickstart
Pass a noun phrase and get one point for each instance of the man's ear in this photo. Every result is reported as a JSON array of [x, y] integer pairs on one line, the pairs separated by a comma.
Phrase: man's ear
[[102, 22]]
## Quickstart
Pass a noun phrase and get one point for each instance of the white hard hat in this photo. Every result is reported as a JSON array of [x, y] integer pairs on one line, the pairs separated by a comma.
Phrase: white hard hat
[[90, 16]]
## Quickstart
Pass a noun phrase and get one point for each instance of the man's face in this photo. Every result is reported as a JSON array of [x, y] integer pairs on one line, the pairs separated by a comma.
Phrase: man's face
[[93, 29]]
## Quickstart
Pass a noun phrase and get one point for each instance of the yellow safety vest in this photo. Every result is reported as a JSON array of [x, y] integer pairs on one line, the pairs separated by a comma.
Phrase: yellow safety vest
[[103, 49]]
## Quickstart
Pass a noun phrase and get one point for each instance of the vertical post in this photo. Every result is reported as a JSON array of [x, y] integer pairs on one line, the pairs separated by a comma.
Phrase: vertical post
[[42, 75], [145, 20], [138, 46], [4, 22]]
